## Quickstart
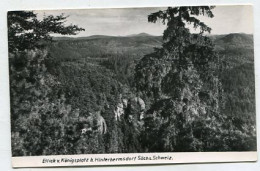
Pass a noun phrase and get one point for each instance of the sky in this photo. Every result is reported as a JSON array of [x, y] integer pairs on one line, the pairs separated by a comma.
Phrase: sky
[[127, 21]]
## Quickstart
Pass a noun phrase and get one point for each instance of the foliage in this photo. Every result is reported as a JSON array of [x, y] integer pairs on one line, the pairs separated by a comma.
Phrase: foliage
[[196, 99], [40, 117], [25, 30], [181, 80], [36, 109]]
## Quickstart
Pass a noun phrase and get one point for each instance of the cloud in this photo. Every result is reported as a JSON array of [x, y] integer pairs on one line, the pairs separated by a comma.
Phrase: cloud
[[124, 21]]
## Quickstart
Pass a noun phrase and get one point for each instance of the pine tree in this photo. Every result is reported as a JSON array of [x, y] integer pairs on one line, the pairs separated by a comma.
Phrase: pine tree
[[26, 32], [181, 81], [40, 117]]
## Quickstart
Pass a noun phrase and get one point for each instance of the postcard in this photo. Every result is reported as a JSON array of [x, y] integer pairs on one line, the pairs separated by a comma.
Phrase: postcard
[[131, 86]]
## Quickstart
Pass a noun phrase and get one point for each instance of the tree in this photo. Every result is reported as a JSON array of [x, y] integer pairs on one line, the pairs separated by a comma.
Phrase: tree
[[40, 116], [25, 31], [181, 49], [181, 81]]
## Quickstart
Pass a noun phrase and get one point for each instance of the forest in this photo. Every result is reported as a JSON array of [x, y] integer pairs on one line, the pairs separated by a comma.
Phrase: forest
[[180, 92]]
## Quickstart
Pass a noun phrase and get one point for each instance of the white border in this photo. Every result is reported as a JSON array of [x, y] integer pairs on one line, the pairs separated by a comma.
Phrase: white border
[[132, 159], [184, 157]]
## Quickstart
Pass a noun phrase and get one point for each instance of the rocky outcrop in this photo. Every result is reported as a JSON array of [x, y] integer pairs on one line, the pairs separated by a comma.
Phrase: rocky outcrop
[[94, 123], [131, 108]]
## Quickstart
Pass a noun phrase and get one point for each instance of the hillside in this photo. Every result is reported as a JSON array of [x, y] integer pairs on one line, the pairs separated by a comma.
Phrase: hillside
[[120, 54], [235, 48], [235, 40], [101, 46], [92, 74], [139, 93]]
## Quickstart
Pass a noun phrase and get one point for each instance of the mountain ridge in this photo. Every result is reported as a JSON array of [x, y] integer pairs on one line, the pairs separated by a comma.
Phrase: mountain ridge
[[234, 38], [103, 36]]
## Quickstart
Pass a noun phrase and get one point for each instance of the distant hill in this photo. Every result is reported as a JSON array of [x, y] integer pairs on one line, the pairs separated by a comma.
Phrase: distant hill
[[82, 38], [237, 47], [139, 35], [97, 45], [234, 41], [222, 42], [101, 37], [237, 38], [62, 38]]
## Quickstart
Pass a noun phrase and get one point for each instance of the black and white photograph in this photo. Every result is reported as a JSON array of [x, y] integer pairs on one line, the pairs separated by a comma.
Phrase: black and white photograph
[[119, 81]]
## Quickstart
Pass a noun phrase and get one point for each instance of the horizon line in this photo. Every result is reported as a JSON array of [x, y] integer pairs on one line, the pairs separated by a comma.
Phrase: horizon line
[[133, 35]]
